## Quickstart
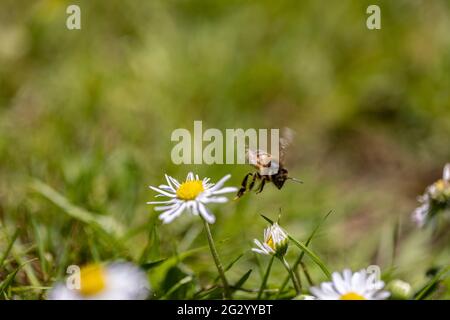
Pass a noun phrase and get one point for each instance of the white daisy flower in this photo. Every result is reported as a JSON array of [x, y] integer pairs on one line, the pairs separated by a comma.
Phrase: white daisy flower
[[117, 281], [420, 214], [275, 241], [192, 195], [351, 286], [435, 199]]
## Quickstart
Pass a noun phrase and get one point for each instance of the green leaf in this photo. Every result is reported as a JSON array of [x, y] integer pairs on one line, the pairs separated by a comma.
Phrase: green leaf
[[229, 266], [40, 246], [9, 247], [242, 280], [151, 250], [105, 223], [150, 265], [8, 280], [168, 263], [312, 255], [10, 277], [267, 219], [177, 286], [210, 293], [311, 236], [431, 286]]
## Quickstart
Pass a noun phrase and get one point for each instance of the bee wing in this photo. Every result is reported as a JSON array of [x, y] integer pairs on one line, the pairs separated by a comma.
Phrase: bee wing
[[287, 137], [252, 157]]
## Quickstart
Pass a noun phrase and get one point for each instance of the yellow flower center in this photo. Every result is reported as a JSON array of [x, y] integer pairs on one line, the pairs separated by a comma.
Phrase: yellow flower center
[[189, 190], [352, 296], [270, 242], [92, 278], [440, 185]]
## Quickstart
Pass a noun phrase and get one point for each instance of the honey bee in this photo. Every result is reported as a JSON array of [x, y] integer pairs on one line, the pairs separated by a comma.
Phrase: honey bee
[[269, 168]]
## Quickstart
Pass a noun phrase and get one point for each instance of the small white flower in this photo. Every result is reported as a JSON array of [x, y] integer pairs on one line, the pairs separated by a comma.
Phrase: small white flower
[[117, 281], [351, 286], [275, 241], [191, 195], [446, 175], [435, 198], [420, 214]]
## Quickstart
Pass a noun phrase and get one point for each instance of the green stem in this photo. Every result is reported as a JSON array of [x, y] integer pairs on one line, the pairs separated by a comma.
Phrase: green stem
[[306, 272], [297, 276], [212, 247], [266, 276], [300, 257], [295, 281], [288, 277]]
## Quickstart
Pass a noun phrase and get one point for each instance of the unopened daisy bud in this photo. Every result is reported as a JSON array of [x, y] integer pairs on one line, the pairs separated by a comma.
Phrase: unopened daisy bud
[[275, 241], [400, 290]]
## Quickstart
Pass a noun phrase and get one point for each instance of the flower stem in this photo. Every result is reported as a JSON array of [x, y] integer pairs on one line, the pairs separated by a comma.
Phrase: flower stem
[[266, 276], [295, 280], [212, 247], [306, 272]]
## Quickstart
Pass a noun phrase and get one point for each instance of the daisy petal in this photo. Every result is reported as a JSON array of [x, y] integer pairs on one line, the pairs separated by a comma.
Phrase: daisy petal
[[224, 190], [219, 184], [446, 175], [208, 216], [214, 200], [167, 194], [169, 216]]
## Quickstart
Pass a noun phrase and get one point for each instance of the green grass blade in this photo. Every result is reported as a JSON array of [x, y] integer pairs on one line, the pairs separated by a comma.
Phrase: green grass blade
[[312, 255], [150, 265], [106, 223], [242, 280], [9, 247], [423, 293], [177, 286], [8, 280], [229, 266]]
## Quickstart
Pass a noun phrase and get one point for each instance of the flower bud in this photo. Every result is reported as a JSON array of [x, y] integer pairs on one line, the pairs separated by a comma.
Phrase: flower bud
[[275, 241], [400, 290]]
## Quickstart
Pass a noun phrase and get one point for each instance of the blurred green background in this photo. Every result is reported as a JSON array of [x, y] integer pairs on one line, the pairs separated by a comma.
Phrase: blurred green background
[[90, 112]]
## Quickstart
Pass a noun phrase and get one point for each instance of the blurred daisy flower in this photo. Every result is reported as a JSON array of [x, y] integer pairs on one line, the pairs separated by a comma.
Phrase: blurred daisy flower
[[192, 195], [116, 281], [351, 286], [435, 199], [275, 241]]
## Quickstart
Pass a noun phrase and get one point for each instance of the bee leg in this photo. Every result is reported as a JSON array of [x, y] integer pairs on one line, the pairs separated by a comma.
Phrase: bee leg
[[243, 186], [252, 184], [261, 186]]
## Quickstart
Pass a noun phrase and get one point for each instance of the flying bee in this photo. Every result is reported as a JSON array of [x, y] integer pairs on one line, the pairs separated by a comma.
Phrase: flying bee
[[269, 168]]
